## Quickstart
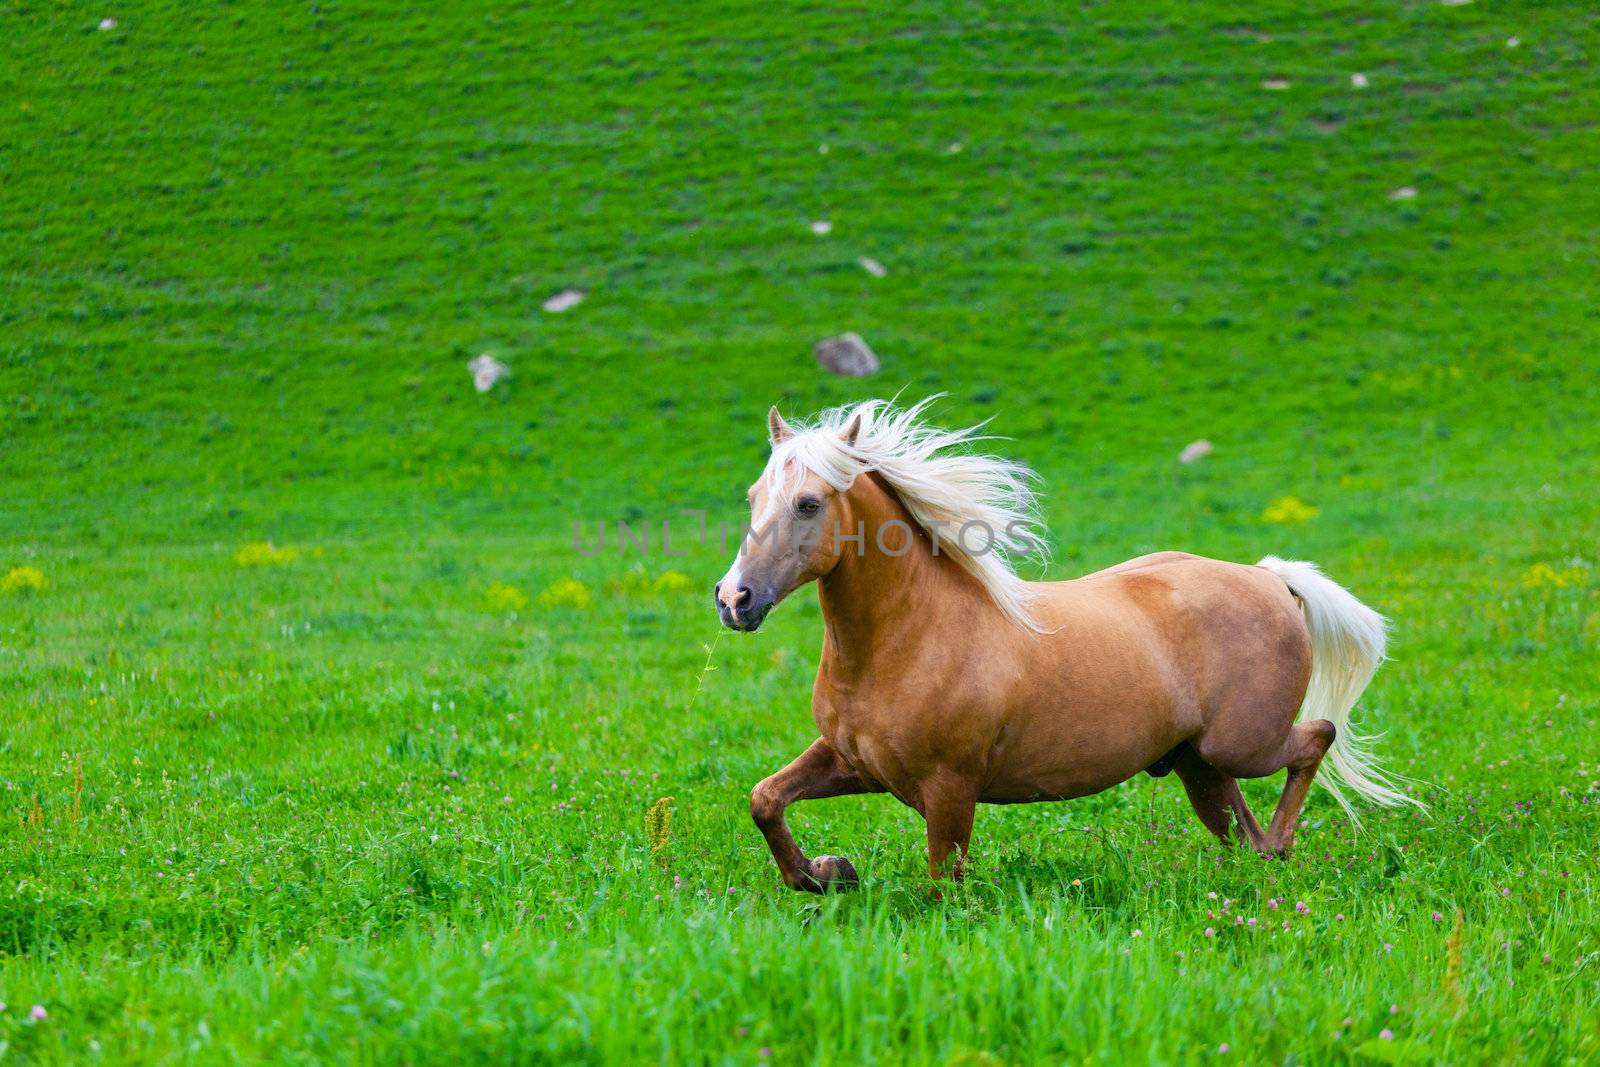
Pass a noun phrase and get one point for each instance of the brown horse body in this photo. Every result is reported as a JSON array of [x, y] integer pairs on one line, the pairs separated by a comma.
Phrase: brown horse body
[[928, 691]]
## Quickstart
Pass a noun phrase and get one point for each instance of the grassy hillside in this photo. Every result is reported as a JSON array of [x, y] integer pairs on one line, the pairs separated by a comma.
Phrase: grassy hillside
[[378, 793]]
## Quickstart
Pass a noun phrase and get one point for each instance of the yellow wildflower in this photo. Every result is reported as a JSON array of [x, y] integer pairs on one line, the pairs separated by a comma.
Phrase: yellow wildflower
[[672, 582], [634, 581], [23, 580], [1289, 511], [264, 554], [1544, 576], [658, 829], [503, 597], [566, 593]]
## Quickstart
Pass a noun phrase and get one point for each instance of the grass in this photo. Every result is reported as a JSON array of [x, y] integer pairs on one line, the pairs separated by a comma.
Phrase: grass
[[377, 793]]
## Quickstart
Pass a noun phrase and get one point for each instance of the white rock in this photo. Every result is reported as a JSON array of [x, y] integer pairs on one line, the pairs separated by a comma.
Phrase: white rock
[[1512, 42], [1358, 81], [873, 267], [1195, 451], [566, 298], [1276, 85], [1405, 192], [107, 24], [486, 370], [953, 148], [822, 227]]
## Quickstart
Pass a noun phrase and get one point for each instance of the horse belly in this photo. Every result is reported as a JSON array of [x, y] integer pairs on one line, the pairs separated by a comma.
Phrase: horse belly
[[1079, 760], [1088, 726]]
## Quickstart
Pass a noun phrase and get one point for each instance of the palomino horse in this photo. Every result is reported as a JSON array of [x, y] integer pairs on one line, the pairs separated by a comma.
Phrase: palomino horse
[[949, 681]]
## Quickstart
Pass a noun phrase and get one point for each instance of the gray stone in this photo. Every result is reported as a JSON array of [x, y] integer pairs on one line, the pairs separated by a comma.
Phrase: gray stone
[[566, 298], [847, 356], [486, 370]]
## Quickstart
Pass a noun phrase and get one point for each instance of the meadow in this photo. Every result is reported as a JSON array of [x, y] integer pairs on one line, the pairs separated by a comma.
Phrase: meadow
[[320, 742]]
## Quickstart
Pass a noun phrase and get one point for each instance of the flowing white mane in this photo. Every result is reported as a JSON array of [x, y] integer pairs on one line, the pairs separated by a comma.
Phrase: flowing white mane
[[945, 491]]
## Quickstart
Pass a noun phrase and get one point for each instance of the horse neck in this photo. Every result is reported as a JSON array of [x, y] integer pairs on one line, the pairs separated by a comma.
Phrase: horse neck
[[875, 603]]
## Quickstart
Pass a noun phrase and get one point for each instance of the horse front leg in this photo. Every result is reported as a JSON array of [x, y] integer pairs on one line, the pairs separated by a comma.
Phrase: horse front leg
[[948, 806], [818, 773]]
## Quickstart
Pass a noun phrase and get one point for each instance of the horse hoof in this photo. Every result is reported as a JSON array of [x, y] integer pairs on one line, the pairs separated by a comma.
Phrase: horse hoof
[[833, 874]]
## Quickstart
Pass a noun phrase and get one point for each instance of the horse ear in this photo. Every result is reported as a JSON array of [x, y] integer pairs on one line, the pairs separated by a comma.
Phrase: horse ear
[[852, 430], [778, 430]]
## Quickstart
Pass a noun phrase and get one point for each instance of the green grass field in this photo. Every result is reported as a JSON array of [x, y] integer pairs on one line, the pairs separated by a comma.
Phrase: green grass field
[[379, 795]]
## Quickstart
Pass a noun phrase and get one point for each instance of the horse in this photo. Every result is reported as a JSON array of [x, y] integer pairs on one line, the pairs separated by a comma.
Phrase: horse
[[947, 680]]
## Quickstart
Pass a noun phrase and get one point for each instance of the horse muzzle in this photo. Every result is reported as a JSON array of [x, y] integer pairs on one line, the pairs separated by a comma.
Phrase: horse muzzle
[[744, 609]]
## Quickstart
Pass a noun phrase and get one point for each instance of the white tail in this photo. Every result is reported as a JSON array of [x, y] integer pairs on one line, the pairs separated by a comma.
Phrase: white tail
[[1347, 643]]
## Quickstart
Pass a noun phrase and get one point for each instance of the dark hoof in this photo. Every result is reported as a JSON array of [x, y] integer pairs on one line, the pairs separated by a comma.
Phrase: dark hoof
[[831, 874]]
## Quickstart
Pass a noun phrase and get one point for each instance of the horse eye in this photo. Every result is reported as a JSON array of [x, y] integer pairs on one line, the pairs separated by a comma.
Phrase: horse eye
[[808, 506]]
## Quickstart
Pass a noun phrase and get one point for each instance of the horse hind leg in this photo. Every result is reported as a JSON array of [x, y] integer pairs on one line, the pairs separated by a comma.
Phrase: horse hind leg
[[1215, 798], [1302, 753]]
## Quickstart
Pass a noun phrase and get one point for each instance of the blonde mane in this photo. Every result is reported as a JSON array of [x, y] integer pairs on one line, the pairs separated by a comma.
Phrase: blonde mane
[[945, 492]]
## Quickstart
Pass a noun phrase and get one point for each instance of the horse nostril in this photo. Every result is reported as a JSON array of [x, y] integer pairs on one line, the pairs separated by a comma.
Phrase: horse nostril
[[716, 590], [744, 594]]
